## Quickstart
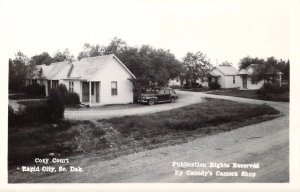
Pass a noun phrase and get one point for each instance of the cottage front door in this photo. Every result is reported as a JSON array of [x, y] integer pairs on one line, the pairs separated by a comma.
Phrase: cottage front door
[[244, 82], [85, 92]]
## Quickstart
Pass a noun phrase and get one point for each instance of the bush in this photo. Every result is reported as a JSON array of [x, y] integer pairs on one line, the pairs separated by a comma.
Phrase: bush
[[35, 90], [68, 97], [50, 111], [62, 89], [55, 106], [214, 85], [272, 88], [187, 86], [176, 87], [71, 99]]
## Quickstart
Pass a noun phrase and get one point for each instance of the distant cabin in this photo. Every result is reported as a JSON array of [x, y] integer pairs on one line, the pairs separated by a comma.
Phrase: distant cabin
[[226, 75], [248, 81]]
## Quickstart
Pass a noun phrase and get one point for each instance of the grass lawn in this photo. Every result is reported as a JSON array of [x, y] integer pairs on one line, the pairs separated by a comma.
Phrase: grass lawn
[[110, 138], [251, 94]]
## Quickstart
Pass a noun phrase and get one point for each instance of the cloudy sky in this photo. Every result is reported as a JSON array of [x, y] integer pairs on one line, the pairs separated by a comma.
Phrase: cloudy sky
[[223, 30]]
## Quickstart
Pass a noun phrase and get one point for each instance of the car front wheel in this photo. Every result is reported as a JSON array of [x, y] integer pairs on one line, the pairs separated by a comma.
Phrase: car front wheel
[[151, 102]]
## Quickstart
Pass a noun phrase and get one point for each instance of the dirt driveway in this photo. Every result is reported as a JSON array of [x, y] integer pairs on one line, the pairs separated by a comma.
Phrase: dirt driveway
[[265, 143], [93, 113]]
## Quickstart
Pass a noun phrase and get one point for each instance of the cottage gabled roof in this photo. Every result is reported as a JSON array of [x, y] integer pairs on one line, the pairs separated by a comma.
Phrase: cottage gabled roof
[[243, 72], [269, 72], [227, 69], [215, 74], [86, 68], [50, 71]]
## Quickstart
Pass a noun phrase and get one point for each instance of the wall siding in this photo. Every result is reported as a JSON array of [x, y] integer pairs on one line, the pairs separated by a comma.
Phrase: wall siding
[[113, 71]]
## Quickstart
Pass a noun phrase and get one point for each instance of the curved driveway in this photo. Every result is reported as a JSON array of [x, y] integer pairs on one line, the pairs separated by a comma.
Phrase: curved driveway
[[266, 143], [185, 98]]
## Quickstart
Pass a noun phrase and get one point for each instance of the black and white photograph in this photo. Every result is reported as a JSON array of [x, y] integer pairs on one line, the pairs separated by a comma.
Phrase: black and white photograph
[[149, 91]]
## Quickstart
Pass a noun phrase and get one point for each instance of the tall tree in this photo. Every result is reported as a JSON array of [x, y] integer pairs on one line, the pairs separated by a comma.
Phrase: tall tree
[[63, 56], [116, 46], [43, 58], [91, 51], [196, 65], [246, 61], [17, 71], [268, 70]]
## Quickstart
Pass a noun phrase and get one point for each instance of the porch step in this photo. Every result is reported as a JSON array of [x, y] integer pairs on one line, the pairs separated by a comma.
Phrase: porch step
[[84, 105]]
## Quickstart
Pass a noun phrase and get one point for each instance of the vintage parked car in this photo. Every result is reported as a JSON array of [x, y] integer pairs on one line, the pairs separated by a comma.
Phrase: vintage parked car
[[158, 95]]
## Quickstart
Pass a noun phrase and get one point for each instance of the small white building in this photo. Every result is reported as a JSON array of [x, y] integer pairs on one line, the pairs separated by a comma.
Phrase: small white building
[[100, 80], [249, 82], [226, 75], [50, 76]]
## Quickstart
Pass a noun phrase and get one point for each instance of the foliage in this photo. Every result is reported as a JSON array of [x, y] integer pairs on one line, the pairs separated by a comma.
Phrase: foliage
[[91, 51], [116, 46], [152, 67], [35, 90], [272, 88], [43, 58], [246, 61], [71, 99], [48, 111], [214, 85], [68, 97], [176, 87], [267, 69], [196, 65], [63, 56], [56, 105], [17, 71]]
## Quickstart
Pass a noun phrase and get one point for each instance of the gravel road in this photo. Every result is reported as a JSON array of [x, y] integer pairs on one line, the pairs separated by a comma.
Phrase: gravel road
[[93, 113], [265, 143]]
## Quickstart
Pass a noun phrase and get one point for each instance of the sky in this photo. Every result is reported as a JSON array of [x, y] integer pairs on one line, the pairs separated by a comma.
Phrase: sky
[[225, 30]]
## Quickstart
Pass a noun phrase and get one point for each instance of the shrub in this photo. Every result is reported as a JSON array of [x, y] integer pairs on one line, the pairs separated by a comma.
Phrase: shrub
[[35, 90], [68, 97], [175, 86], [31, 114], [272, 88], [214, 85], [71, 99], [187, 86], [55, 106], [62, 89]]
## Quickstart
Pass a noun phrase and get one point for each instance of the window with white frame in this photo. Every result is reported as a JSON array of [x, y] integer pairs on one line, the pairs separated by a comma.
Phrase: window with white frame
[[114, 88], [71, 86], [233, 80]]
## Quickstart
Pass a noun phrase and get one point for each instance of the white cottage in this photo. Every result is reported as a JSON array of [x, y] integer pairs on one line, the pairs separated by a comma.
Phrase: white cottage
[[100, 80], [226, 75], [50, 76], [249, 82]]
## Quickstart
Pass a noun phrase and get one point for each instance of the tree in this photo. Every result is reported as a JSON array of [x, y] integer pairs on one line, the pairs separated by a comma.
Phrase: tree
[[196, 65], [63, 56], [43, 58], [267, 71], [226, 63], [91, 51], [116, 46], [246, 61], [17, 71]]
